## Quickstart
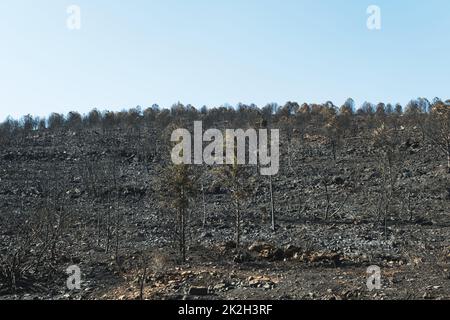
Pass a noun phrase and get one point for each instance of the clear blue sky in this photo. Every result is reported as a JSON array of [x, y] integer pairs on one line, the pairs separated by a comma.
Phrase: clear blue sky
[[211, 52]]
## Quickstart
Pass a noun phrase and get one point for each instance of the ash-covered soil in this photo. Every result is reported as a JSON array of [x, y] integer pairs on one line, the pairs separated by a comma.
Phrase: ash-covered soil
[[97, 200]]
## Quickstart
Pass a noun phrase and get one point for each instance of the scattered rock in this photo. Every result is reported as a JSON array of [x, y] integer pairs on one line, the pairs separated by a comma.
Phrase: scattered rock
[[198, 291], [269, 252], [205, 235], [221, 286], [338, 181], [242, 257], [261, 282], [227, 246]]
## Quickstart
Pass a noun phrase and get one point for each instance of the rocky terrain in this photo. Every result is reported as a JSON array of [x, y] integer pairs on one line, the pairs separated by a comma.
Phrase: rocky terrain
[[98, 200]]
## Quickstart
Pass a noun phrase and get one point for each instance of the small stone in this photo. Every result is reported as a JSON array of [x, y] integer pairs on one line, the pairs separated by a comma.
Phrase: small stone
[[267, 286], [220, 287], [198, 291]]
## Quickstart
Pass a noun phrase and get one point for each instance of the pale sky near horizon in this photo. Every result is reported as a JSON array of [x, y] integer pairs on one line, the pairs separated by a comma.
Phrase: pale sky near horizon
[[212, 52]]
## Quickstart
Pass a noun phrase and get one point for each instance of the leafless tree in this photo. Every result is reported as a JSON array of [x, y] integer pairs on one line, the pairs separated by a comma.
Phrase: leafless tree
[[387, 144], [437, 128]]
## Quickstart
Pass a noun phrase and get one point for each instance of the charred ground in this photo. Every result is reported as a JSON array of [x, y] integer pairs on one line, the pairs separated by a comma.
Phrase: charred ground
[[354, 190]]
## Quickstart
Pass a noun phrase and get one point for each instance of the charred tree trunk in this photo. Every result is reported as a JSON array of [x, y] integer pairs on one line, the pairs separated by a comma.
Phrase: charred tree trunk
[[327, 211], [183, 235], [238, 225], [448, 158], [142, 281], [272, 204], [204, 206]]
